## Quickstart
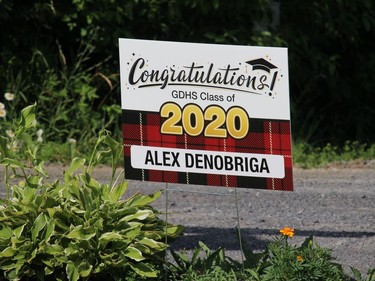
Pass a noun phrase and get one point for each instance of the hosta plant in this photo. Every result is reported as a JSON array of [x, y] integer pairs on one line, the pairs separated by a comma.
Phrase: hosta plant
[[76, 228]]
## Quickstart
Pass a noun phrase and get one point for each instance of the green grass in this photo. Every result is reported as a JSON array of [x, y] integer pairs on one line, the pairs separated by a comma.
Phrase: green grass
[[307, 156]]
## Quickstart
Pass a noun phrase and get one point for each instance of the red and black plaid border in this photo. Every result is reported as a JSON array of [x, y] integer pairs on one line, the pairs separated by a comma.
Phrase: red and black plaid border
[[265, 137]]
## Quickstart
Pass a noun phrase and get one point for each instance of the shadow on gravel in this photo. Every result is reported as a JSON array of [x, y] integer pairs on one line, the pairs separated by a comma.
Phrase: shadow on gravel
[[255, 239]]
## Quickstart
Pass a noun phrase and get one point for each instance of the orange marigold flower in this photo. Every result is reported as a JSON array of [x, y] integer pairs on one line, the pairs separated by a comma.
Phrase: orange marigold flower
[[287, 231], [299, 258]]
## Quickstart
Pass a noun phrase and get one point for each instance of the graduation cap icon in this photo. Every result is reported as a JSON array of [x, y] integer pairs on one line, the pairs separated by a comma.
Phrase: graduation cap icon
[[261, 64]]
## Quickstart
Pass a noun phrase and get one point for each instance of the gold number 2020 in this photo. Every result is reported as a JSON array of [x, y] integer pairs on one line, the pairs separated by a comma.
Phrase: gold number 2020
[[212, 122]]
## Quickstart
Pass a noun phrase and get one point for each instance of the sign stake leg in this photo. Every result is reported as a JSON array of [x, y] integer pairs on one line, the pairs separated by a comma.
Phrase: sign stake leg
[[239, 227], [166, 231]]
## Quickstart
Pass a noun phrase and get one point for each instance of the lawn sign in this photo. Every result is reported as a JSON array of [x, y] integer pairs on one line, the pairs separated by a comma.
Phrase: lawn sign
[[206, 114]]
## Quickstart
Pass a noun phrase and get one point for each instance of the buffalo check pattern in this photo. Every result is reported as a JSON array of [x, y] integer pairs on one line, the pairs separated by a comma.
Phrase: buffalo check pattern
[[265, 137]]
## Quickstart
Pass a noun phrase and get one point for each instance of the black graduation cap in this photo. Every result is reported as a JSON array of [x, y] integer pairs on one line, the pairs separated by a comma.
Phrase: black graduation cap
[[261, 64]]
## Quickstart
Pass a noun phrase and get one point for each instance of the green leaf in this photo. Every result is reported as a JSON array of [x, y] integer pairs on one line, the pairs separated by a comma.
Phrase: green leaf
[[134, 254], [53, 249], [254, 274], [72, 272], [12, 163], [142, 200], [70, 250], [48, 270], [3, 147], [139, 215], [110, 236], [28, 117], [40, 169], [152, 244], [307, 243], [107, 256], [144, 249], [33, 181], [49, 229], [133, 231], [204, 248], [39, 224], [5, 233], [49, 202], [74, 165], [84, 269], [18, 231], [144, 270], [81, 234], [174, 230], [28, 194], [52, 211], [181, 259], [8, 252], [27, 120], [118, 191]]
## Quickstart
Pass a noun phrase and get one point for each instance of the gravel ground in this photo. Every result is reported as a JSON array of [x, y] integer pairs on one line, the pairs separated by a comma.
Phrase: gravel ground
[[334, 204]]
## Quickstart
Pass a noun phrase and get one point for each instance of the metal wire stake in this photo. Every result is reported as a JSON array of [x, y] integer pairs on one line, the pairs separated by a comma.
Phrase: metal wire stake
[[166, 213], [166, 230], [239, 228]]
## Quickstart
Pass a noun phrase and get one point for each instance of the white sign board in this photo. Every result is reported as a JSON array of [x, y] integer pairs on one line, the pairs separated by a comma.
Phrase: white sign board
[[206, 114]]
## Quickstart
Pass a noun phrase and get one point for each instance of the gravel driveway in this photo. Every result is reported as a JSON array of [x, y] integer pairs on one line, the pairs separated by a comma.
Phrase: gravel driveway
[[336, 205]]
